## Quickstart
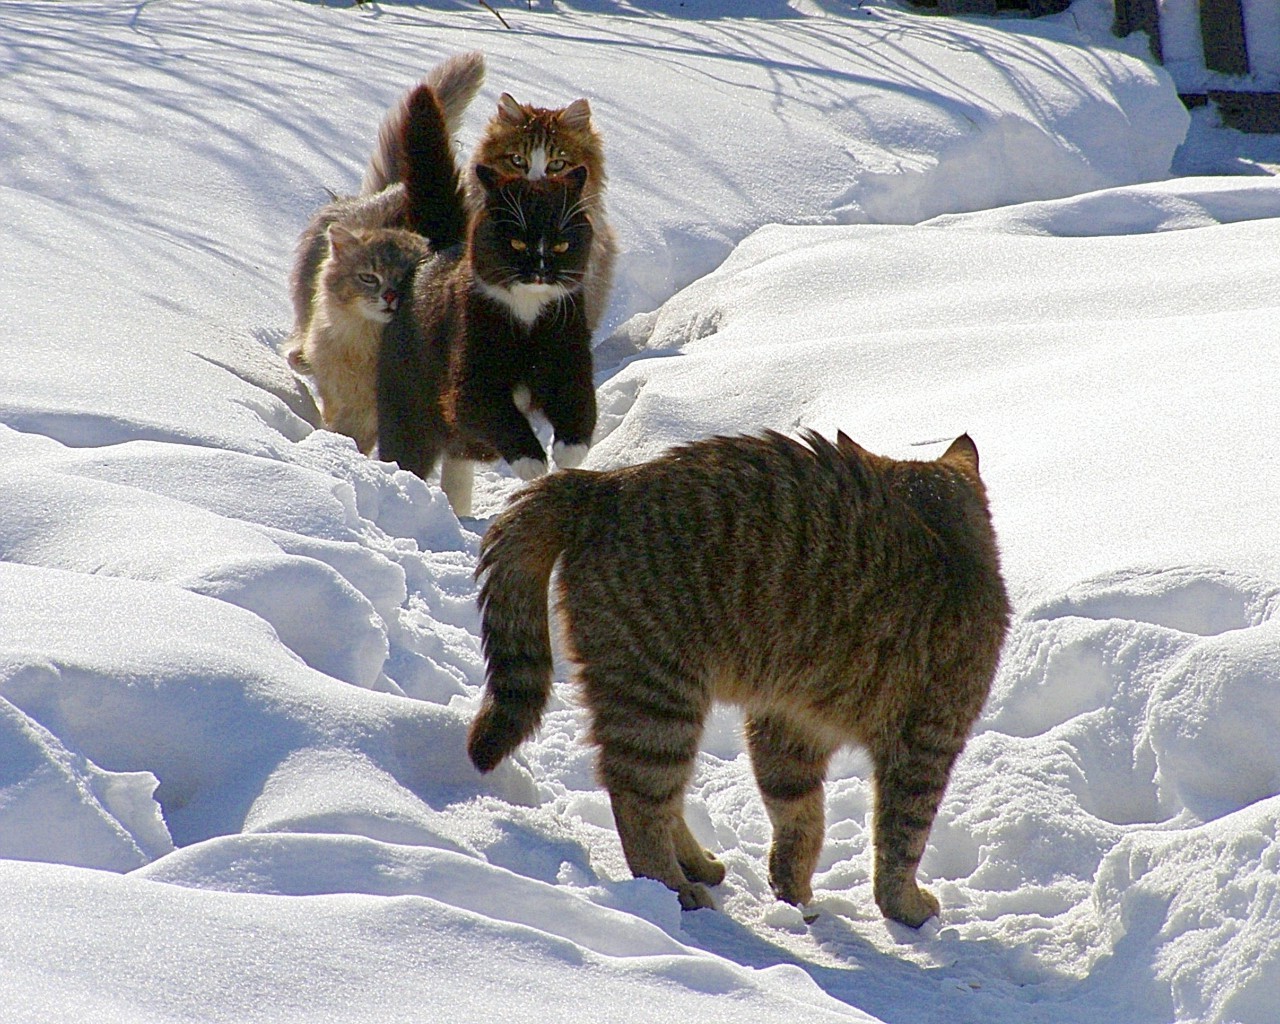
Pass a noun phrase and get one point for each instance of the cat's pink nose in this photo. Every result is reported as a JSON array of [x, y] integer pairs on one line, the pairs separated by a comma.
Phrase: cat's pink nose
[[391, 298]]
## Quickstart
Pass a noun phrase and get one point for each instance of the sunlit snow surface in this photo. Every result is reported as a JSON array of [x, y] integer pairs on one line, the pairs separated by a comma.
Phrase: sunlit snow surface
[[238, 659]]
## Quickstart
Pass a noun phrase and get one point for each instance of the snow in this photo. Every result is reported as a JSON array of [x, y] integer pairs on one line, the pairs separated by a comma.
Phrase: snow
[[238, 659]]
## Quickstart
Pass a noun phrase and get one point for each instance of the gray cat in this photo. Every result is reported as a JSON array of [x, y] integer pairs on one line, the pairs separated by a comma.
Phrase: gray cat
[[837, 596], [360, 285], [382, 204]]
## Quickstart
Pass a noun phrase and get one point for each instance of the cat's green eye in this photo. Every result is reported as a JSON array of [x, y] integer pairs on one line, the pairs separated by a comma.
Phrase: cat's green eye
[[556, 166], [518, 162], [560, 247], [519, 244], [370, 279]]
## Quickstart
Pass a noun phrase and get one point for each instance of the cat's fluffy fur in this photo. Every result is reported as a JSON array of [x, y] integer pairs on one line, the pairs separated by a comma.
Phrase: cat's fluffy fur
[[361, 284], [382, 203], [837, 596], [534, 142], [494, 332], [519, 140]]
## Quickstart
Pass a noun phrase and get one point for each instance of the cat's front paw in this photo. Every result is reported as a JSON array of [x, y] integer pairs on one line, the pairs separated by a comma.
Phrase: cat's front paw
[[528, 469], [569, 456], [298, 361]]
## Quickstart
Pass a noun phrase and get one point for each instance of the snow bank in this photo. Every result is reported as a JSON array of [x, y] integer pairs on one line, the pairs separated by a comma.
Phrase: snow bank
[[238, 659]]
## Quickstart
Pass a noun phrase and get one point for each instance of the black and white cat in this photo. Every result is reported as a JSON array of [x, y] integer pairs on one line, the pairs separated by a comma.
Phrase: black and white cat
[[491, 330]]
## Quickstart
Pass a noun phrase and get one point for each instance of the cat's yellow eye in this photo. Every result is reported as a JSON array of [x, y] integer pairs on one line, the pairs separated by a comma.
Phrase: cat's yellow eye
[[556, 166], [519, 244], [560, 247], [518, 162]]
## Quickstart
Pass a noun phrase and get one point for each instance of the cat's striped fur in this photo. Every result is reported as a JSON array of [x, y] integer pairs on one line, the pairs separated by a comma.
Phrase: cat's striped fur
[[839, 597]]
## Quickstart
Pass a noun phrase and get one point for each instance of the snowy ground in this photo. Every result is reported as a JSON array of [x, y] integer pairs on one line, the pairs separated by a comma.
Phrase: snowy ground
[[237, 659]]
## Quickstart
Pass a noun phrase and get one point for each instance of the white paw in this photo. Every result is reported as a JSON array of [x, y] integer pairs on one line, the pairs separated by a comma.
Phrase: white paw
[[569, 456], [528, 469], [523, 398]]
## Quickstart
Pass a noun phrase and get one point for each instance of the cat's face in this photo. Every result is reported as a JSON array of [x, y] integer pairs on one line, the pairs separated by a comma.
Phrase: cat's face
[[534, 142], [367, 272], [534, 236]]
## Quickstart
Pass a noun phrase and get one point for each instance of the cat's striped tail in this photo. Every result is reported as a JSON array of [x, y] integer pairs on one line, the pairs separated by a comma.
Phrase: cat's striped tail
[[455, 83], [516, 558]]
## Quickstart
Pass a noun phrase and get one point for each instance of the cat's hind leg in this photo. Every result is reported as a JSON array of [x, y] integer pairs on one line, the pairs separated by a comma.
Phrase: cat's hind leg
[[790, 767], [910, 777], [648, 729]]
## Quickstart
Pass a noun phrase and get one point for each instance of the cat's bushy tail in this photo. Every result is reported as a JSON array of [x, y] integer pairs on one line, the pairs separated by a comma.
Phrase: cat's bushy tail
[[455, 83], [435, 200], [516, 558]]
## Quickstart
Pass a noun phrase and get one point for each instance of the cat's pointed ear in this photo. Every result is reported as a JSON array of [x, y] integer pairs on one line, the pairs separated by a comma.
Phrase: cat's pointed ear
[[487, 177], [576, 115], [962, 452], [577, 178], [340, 237], [509, 110]]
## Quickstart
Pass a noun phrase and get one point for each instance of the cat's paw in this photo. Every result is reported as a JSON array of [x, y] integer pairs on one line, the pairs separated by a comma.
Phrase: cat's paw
[[702, 866], [569, 456], [912, 906], [528, 469], [695, 897], [298, 361]]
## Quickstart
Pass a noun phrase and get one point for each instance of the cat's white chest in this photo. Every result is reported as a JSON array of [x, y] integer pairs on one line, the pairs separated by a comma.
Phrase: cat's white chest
[[525, 301]]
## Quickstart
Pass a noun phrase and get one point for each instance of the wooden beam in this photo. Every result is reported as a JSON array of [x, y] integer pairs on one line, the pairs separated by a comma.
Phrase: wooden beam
[[1139, 16], [1248, 111], [1222, 32]]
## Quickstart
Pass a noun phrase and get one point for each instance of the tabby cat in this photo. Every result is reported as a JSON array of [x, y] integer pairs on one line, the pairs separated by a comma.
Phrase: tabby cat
[[493, 331], [360, 285], [837, 596]]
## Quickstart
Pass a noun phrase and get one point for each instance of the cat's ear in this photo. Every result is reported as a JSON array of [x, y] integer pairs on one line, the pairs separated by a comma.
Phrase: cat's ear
[[577, 178], [487, 177], [962, 453], [576, 115], [340, 238], [510, 111]]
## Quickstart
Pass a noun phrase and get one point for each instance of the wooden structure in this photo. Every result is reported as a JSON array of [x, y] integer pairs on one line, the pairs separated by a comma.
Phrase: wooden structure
[[1034, 8], [1226, 51]]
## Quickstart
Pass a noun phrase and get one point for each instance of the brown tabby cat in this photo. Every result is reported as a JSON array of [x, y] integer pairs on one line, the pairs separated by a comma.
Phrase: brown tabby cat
[[839, 597], [535, 142], [494, 330], [360, 286]]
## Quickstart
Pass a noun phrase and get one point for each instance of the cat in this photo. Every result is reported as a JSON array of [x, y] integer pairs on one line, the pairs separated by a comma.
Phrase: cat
[[494, 329], [381, 203], [523, 141], [536, 142], [837, 596], [361, 283]]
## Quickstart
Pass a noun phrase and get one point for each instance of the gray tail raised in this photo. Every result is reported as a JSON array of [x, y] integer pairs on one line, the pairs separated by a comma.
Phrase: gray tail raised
[[516, 558], [455, 83]]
